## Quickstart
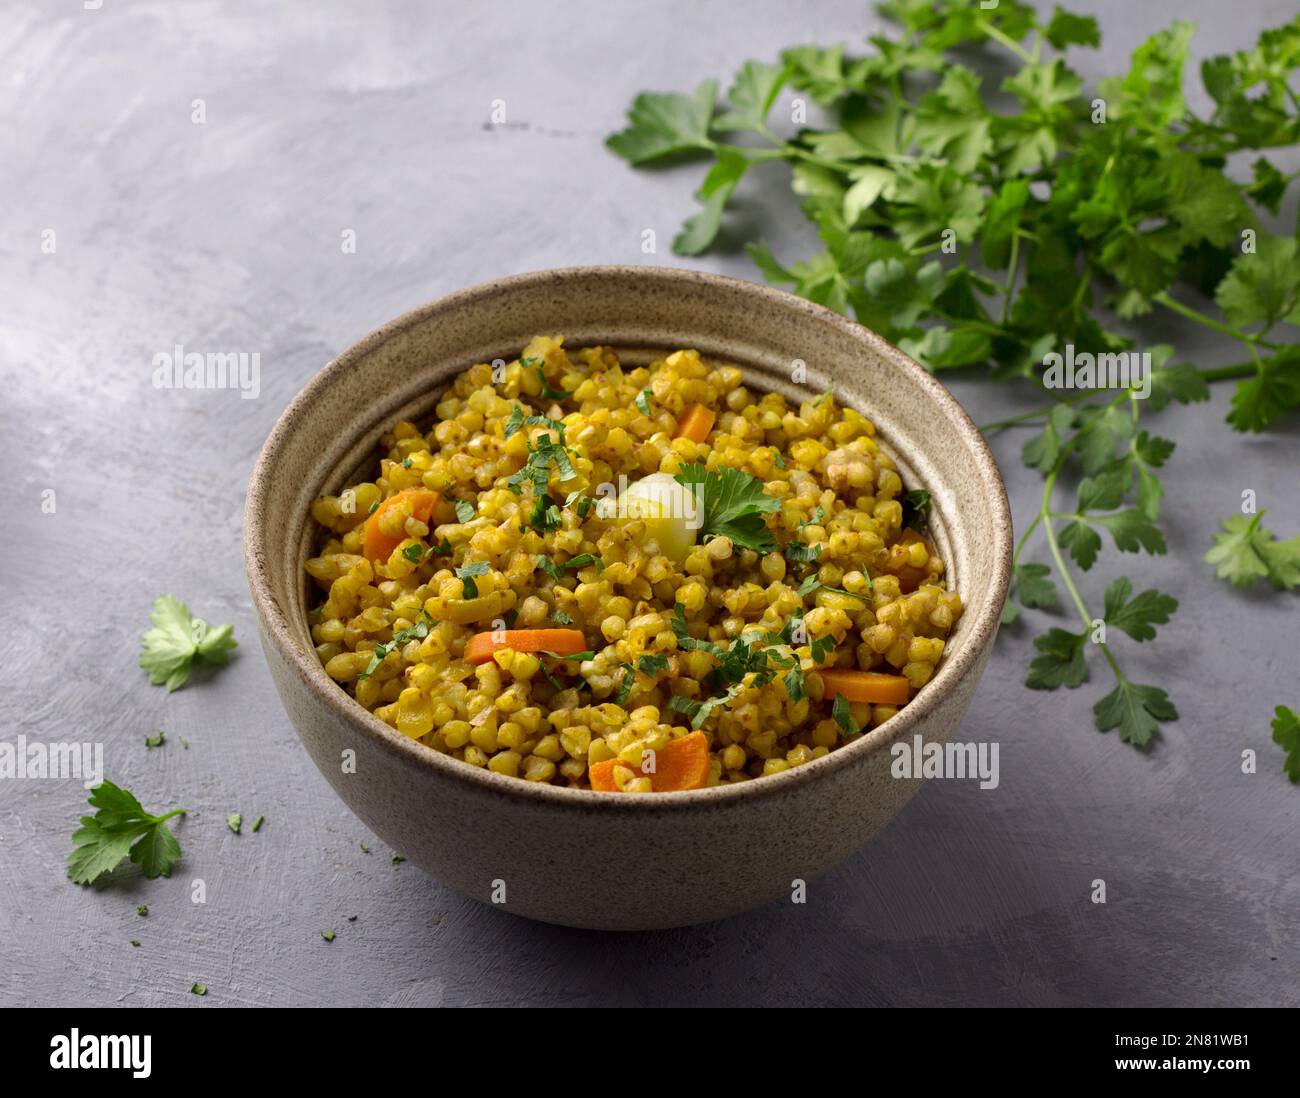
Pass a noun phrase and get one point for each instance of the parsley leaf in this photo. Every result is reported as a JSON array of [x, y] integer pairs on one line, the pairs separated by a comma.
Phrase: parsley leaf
[[1060, 661], [1138, 616], [466, 573], [170, 649], [1135, 710], [1245, 552], [843, 716], [664, 124], [733, 504], [1286, 734], [121, 828]]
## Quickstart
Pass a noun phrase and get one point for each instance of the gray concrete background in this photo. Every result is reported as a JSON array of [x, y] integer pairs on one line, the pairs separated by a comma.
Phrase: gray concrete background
[[373, 116]]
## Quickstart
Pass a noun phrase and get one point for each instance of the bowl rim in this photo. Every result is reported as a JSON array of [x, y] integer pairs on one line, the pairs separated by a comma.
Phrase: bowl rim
[[954, 667]]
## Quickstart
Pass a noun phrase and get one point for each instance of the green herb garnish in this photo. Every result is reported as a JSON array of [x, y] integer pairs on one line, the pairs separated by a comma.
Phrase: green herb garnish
[[418, 631], [643, 401], [464, 511], [732, 504], [1286, 734], [843, 717], [916, 510], [625, 684], [651, 664], [156, 740], [121, 829], [177, 641], [467, 573], [1246, 552]]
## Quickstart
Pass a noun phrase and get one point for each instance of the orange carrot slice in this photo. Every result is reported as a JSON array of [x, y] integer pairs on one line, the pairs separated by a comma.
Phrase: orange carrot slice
[[601, 775], [563, 642], [682, 764], [696, 423], [378, 546], [866, 686]]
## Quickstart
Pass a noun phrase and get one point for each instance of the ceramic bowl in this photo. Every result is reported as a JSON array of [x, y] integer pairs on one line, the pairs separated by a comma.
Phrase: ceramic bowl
[[572, 856]]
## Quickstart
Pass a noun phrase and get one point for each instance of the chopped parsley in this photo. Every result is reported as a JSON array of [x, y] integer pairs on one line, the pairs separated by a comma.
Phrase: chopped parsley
[[822, 647], [916, 510], [843, 717], [418, 631], [652, 664], [464, 511], [156, 740], [626, 684], [548, 391], [414, 552], [467, 573], [643, 401], [797, 552], [235, 821]]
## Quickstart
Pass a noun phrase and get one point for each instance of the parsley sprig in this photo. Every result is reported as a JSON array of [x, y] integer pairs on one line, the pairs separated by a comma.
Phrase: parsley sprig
[[178, 641], [1246, 552], [732, 504], [122, 829]]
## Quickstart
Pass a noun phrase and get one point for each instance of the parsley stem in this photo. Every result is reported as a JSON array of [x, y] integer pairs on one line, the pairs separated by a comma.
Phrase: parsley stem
[[1045, 514], [1013, 268], [1037, 413], [1006, 40], [1206, 321], [1229, 373], [1015, 557]]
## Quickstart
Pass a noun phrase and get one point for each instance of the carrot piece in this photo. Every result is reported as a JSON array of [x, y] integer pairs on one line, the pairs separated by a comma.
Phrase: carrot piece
[[378, 546], [696, 423], [563, 642], [866, 686], [601, 775], [682, 764]]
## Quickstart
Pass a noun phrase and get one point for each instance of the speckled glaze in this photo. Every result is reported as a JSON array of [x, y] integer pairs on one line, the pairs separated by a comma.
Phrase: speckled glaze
[[571, 856]]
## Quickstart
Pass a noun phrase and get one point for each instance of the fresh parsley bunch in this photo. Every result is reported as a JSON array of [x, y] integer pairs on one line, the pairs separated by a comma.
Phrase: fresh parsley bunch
[[981, 224]]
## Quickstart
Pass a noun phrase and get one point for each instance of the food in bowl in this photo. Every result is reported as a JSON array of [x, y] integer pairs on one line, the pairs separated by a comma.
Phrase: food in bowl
[[629, 579]]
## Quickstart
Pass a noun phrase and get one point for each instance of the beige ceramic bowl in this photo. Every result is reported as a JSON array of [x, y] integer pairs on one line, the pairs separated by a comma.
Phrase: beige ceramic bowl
[[572, 856]]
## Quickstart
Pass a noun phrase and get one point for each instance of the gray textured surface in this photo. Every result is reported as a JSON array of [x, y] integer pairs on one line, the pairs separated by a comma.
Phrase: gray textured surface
[[227, 236]]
